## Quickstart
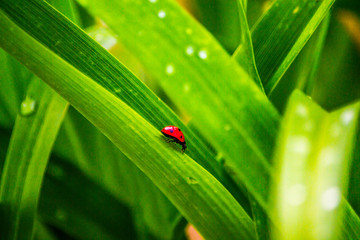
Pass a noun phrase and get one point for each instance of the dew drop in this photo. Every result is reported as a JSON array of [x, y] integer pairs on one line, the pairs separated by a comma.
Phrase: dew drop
[[27, 106], [203, 54], [296, 194], [186, 87], [170, 69], [330, 199], [153, 1], [298, 144], [328, 156], [161, 14], [191, 180], [296, 10], [301, 110], [189, 50], [347, 116], [99, 37]]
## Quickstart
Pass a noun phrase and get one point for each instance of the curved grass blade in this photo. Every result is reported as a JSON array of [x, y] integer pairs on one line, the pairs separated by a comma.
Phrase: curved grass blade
[[64, 38], [281, 33], [313, 154], [354, 179], [22, 178], [337, 81], [35, 130], [11, 89], [261, 192], [195, 192], [244, 54], [241, 123], [81, 143], [303, 71], [261, 221], [351, 224]]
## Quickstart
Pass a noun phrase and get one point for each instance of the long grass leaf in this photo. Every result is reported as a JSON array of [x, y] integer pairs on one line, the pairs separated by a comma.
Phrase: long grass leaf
[[224, 103], [313, 154], [64, 38], [35, 130], [81, 143], [12, 88], [244, 54], [183, 181], [281, 33], [303, 71]]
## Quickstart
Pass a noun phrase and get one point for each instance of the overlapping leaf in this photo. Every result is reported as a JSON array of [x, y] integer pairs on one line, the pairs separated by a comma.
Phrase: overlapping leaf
[[27, 157], [281, 33], [183, 181], [197, 73], [313, 153]]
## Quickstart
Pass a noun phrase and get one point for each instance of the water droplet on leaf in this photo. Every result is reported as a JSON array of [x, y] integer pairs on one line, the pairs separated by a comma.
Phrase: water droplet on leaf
[[27, 107], [161, 14], [330, 199], [170, 69], [189, 50], [203, 54], [296, 194]]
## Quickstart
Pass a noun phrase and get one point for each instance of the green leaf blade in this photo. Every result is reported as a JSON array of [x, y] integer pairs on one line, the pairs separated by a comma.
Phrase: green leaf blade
[[244, 54], [60, 35], [313, 159], [281, 33], [207, 77], [221, 216], [27, 157], [303, 71]]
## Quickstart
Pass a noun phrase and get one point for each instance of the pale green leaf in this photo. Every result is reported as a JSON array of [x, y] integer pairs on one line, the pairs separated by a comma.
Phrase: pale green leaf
[[313, 156]]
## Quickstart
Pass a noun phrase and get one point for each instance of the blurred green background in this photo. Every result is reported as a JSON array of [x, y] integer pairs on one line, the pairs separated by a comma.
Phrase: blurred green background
[[87, 193]]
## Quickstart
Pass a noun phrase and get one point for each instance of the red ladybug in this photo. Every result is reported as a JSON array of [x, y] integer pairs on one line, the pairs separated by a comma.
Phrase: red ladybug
[[175, 135]]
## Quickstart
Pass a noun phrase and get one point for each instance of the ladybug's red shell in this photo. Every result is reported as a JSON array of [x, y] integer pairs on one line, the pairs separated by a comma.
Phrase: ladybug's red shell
[[175, 134]]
